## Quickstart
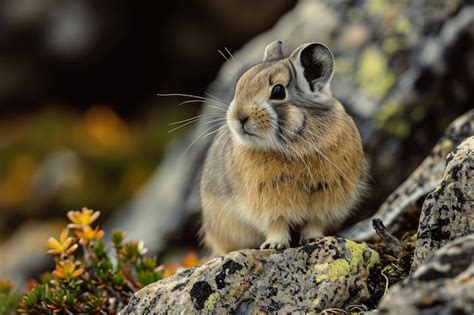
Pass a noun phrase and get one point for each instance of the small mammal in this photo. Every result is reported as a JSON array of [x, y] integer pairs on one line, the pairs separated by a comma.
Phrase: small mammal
[[293, 156]]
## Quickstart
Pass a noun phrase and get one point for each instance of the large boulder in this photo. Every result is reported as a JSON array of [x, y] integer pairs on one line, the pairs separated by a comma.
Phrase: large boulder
[[426, 177], [442, 278], [331, 272], [448, 212], [444, 284]]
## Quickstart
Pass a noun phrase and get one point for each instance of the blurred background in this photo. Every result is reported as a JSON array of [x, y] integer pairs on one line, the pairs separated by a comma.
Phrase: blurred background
[[81, 125]]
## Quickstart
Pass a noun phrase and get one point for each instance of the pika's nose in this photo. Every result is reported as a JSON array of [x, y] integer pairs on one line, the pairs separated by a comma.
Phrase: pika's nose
[[243, 120]]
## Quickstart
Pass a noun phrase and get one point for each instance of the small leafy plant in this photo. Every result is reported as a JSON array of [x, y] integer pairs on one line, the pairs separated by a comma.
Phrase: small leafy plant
[[89, 276]]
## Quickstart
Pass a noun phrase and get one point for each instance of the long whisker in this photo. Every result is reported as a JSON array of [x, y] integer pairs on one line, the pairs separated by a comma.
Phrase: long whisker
[[216, 98], [217, 104], [219, 129], [181, 94], [235, 61], [226, 130], [198, 137], [202, 101], [223, 55], [195, 117], [191, 96], [236, 69], [193, 121]]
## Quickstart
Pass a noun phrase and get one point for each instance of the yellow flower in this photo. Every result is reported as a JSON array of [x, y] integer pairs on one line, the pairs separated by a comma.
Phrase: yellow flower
[[66, 269], [88, 234], [65, 244], [82, 218]]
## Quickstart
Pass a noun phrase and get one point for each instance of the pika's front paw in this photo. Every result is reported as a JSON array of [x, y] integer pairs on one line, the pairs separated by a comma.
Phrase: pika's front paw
[[310, 233], [272, 245]]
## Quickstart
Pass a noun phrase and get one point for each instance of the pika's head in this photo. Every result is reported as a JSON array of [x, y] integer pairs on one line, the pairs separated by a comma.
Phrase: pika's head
[[284, 102]]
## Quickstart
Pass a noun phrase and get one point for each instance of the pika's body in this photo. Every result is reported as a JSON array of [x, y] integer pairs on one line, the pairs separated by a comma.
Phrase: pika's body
[[289, 156]]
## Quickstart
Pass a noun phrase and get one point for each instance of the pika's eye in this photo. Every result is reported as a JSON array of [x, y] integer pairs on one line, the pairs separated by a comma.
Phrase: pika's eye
[[278, 92]]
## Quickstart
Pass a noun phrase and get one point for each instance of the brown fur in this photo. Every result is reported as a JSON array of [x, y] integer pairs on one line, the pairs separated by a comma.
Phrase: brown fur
[[254, 188]]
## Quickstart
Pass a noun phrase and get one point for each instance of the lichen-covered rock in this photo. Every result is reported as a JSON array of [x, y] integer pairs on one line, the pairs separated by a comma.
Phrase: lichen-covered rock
[[422, 181], [444, 284], [448, 212], [331, 272]]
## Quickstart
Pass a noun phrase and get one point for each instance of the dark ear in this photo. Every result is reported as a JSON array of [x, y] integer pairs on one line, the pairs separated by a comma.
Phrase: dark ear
[[315, 63], [273, 51]]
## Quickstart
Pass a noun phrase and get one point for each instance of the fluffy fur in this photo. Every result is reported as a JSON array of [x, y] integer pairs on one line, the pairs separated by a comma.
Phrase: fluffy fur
[[285, 162]]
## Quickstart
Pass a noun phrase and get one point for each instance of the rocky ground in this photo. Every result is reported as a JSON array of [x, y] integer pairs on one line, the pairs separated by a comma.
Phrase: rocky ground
[[424, 270]]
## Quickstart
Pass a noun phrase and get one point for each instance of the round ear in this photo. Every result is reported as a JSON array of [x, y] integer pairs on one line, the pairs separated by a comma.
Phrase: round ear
[[273, 51], [315, 63]]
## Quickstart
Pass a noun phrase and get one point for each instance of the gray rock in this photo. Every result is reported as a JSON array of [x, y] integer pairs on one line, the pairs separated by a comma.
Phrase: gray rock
[[329, 273], [448, 212], [421, 182], [444, 284]]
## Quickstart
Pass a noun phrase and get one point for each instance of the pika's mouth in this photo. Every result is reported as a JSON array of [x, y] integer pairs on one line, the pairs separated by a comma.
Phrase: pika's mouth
[[245, 132]]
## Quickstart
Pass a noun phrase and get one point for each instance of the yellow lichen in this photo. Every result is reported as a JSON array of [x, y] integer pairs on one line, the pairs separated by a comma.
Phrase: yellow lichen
[[387, 111], [379, 7], [446, 144], [391, 45], [334, 271], [316, 302], [373, 74], [339, 268], [390, 118], [374, 258], [401, 129], [211, 301], [357, 251], [403, 26]]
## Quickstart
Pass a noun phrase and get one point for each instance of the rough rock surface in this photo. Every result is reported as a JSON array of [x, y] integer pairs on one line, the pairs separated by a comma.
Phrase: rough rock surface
[[442, 277], [421, 182], [448, 212], [444, 284], [331, 272]]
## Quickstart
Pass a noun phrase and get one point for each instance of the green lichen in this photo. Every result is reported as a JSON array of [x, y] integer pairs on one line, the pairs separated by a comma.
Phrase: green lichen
[[357, 253], [335, 271], [387, 111], [400, 129], [379, 7], [373, 74], [392, 45], [390, 118], [447, 144], [211, 301], [403, 25], [339, 268]]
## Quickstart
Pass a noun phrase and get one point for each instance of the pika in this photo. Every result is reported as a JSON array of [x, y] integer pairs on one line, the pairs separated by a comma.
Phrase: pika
[[293, 156]]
